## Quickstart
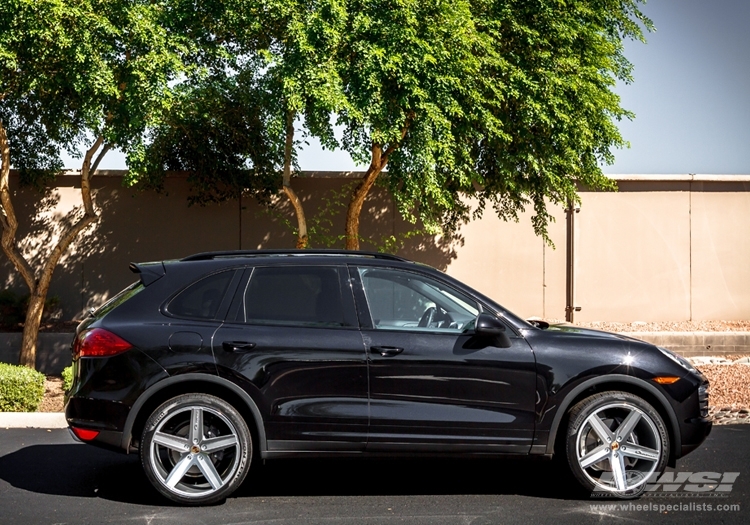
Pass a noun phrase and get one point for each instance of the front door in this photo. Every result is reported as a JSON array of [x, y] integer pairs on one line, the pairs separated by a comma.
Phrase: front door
[[434, 384]]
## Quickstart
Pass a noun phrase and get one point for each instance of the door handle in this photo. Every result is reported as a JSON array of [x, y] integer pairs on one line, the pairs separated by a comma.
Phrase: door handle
[[237, 346], [387, 351]]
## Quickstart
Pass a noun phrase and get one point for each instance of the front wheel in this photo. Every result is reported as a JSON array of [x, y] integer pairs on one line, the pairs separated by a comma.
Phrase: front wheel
[[616, 443], [196, 449]]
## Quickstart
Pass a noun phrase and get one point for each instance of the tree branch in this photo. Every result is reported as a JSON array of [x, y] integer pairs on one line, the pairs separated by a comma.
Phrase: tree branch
[[287, 183], [377, 164], [99, 158], [8, 216], [88, 203], [393, 146]]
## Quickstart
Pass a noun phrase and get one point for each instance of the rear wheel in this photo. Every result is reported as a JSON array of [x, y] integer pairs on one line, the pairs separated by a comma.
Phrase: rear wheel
[[196, 449], [616, 442]]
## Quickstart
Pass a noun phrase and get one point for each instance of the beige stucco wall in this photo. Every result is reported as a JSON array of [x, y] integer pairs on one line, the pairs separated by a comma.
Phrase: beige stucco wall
[[720, 280], [633, 254], [662, 248]]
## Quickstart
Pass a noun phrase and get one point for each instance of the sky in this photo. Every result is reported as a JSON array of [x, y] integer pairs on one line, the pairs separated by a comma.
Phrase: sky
[[689, 95]]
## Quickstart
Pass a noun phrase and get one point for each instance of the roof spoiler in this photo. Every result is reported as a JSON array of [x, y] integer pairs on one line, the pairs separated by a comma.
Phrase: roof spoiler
[[149, 272]]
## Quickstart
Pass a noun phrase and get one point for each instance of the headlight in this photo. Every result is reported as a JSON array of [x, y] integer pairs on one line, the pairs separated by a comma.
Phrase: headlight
[[684, 363]]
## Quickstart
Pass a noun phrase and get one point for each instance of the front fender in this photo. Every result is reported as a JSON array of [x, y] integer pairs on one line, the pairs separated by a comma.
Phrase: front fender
[[614, 379]]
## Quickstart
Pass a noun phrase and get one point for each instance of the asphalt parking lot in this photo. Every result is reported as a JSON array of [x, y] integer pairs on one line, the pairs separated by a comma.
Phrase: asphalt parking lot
[[45, 477]]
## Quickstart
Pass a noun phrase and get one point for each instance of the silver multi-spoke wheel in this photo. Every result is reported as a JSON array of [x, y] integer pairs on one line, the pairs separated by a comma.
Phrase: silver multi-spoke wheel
[[196, 449], [617, 441]]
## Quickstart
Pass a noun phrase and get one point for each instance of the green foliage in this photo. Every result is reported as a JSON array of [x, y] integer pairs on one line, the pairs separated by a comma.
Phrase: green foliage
[[67, 376], [13, 308], [256, 62], [21, 388], [506, 101], [71, 70], [216, 129], [491, 103], [507, 104]]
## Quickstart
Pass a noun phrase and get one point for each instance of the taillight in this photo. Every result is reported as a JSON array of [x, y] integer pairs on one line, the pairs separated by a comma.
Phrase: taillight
[[99, 343], [84, 434]]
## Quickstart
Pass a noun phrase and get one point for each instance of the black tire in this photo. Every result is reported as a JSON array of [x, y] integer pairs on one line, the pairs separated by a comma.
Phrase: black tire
[[619, 457], [193, 466]]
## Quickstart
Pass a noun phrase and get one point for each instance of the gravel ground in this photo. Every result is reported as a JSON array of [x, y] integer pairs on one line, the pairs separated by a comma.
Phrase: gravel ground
[[729, 393], [53, 395], [665, 326]]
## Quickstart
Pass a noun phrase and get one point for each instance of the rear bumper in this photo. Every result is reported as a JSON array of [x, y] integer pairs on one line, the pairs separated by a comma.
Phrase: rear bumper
[[107, 439]]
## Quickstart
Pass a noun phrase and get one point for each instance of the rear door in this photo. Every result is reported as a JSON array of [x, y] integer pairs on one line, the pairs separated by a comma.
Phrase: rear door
[[292, 341], [434, 385]]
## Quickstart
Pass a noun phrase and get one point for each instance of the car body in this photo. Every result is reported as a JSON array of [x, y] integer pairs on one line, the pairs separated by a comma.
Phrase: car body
[[210, 362]]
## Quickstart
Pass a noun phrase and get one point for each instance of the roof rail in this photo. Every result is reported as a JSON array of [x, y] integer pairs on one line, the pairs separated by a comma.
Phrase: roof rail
[[207, 256]]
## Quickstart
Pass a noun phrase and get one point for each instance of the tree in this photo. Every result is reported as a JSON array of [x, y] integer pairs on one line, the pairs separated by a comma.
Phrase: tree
[[216, 130], [507, 101], [74, 72], [269, 63]]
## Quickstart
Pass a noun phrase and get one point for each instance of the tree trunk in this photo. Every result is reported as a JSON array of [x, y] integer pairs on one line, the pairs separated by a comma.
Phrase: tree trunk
[[377, 164], [299, 211], [8, 215], [358, 198], [38, 287], [31, 324]]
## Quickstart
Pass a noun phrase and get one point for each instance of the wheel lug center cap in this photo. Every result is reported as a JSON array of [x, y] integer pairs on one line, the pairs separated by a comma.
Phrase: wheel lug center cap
[[615, 445], [195, 449]]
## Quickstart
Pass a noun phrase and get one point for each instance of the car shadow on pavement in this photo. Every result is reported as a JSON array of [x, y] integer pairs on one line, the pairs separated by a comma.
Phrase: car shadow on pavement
[[78, 471], [401, 477]]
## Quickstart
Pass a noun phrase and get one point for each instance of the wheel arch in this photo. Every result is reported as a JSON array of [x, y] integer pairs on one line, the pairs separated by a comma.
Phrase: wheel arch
[[624, 383], [193, 383]]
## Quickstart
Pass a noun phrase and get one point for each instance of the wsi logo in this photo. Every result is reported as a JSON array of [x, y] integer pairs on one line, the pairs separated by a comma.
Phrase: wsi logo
[[691, 484], [673, 484]]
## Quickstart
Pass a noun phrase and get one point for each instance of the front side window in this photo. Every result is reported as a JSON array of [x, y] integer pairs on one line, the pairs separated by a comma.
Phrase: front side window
[[400, 300], [201, 300], [295, 296]]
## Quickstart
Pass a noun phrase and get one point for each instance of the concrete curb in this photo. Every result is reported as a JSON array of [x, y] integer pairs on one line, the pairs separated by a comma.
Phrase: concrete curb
[[697, 343], [33, 420]]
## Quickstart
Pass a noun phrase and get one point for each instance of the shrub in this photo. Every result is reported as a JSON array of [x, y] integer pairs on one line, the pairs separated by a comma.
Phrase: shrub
[[21, 388], [67, 375]]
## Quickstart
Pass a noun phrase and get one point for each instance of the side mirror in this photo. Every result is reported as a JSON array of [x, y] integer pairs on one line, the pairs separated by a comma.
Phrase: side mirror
[[489, 326]]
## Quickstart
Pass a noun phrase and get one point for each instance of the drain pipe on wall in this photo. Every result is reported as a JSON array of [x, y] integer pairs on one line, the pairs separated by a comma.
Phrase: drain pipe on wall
[[570, 274]]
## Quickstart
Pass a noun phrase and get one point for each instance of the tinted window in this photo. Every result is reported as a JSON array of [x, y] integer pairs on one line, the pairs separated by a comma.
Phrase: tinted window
[[301, 296], [202, 298], [400, 300]]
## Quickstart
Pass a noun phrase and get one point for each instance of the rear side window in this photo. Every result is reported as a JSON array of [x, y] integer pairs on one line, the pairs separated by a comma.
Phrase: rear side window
[[201, 300], [295, 296]]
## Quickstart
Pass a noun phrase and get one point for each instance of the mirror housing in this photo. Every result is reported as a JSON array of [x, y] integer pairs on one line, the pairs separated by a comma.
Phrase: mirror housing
[[489, 326]]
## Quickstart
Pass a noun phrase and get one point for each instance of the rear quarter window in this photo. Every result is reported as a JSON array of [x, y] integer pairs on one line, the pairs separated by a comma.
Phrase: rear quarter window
[[201, 300]]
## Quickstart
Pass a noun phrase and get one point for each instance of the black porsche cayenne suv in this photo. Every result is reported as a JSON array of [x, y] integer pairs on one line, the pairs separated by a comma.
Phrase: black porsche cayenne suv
[[220, 359]]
